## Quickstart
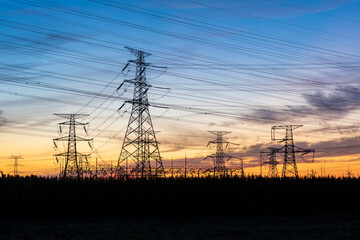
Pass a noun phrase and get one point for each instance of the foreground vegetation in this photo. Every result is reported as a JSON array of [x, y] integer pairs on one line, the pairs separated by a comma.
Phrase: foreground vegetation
[[190, 228], [37, 196]]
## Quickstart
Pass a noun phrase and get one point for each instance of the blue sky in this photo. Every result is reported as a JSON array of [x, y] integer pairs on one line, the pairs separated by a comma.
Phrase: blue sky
[[240, 66]]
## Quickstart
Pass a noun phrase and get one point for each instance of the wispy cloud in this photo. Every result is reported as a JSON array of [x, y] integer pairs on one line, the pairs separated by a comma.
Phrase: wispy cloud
[[3, 120], [267, 9], [299, 8], [280, 9], [335, 148], [325, 104], [341, 100]]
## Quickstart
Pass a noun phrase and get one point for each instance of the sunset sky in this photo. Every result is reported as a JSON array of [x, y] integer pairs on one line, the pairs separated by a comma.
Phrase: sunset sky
[[238, 66]]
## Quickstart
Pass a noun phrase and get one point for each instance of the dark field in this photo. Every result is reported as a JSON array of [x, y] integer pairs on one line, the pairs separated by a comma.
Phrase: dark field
[[249, 227], [250, 208]]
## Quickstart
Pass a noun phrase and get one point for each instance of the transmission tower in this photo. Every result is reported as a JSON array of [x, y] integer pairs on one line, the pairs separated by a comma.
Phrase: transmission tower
[[289, 149], [220, 157], [270, 159], [73, 163], [140, 145], [16, 163]]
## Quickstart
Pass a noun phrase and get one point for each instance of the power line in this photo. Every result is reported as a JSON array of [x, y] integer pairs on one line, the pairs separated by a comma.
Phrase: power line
[[316, 11], [74, 162], [140, 145]]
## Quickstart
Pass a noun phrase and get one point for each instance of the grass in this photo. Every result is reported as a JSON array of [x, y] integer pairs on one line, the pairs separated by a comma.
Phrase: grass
[[204, 197]]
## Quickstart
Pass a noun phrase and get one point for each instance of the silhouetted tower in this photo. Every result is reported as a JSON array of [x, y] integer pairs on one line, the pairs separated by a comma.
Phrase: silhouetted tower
[[16, 163], [289, 150], [348, 172], [73, 160], [220, 157], [270, 159], [140, 145]]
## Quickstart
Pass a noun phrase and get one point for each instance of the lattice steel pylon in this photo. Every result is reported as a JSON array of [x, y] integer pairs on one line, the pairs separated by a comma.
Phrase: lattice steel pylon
[[270, 159], [220, 157], [16, 163], [140, 145], [73, 160], [289, 149]]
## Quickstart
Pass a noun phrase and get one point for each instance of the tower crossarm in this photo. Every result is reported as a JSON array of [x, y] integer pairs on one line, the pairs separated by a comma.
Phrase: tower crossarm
[[68, 116], [287, 128], [138, 102], [75, 122], [66, 138], [64, 154], [300, 150], [218, 141], [305, 151], [222, 133], [134, 81]]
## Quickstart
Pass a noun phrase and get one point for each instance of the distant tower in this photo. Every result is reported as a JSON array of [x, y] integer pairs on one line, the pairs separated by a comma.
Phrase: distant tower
[[140, 145], [270, 159], [73, 160], [16, 163], [289, 149], [348, 172], [220, 157]]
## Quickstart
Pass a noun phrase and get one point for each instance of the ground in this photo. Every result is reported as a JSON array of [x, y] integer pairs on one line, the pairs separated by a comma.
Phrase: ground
[[245, 227]]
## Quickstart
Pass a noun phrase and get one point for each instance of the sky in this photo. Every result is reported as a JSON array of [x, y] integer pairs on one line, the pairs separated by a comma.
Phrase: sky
[[237, 66]]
